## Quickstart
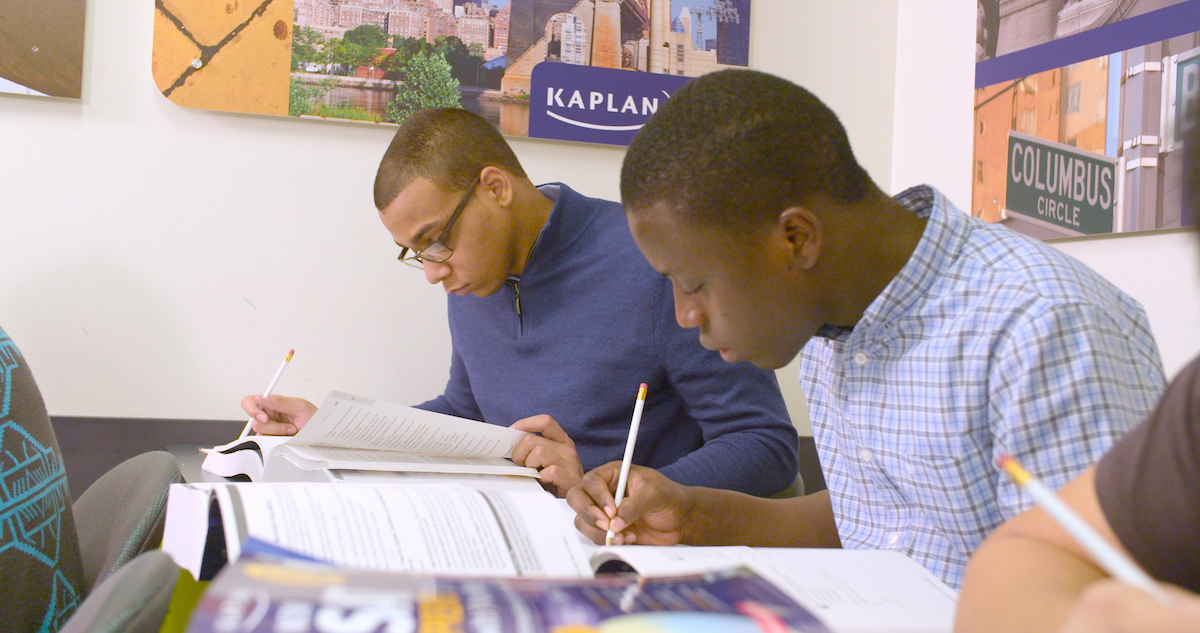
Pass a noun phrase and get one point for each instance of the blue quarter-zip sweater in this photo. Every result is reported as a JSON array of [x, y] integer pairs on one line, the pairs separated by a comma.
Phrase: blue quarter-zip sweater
[[586, 323]]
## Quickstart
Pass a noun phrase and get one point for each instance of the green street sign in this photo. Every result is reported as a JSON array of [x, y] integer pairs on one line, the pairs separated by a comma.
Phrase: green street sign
[[1060, 184]]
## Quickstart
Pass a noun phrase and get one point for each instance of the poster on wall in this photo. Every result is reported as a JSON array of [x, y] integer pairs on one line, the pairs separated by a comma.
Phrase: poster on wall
[[1080, 110], [41, 47], [579, 70]]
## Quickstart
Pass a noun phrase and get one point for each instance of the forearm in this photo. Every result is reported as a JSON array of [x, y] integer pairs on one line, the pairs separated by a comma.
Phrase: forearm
[[437, 405], [1007, 570], [457, 401], [722, 517], [758, 462]]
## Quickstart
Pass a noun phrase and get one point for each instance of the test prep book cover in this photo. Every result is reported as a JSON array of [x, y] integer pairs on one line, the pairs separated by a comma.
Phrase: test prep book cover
[[260, 595]]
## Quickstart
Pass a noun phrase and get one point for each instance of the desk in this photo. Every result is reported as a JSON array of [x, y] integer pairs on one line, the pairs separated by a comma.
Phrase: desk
[[897, 591]]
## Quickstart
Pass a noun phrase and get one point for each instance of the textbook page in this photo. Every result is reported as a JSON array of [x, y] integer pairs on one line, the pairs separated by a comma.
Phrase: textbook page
[[476, 482], [439, 529], [346, 421], [318, 457], [854, 591], [355, 433]]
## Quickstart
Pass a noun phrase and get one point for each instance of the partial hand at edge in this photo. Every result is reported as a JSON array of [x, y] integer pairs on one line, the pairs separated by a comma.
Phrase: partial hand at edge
[[548, 449], [654, 510], [1114, 607], [278, 415]]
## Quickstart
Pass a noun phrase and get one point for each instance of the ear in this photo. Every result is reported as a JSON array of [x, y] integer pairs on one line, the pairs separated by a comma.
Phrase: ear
[[498, 184], [805, 236]]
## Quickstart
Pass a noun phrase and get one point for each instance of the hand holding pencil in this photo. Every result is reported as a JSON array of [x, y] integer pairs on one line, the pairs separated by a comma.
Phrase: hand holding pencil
[[270, 388], [652, 508], [276, 415]]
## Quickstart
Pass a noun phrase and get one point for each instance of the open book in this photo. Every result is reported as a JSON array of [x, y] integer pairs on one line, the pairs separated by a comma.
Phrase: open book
[[462, 532], [359, 434]]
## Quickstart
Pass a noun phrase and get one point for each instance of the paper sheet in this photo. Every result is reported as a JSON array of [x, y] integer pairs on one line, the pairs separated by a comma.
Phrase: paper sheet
[[348, 421]]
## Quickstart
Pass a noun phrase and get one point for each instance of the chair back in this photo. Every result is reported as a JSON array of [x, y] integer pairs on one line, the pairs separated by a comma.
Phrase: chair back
[[43, 579], [122, 514], [133, 600]]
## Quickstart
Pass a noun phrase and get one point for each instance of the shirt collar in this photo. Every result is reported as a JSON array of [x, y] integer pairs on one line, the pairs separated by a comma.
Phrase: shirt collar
[[946, 230]]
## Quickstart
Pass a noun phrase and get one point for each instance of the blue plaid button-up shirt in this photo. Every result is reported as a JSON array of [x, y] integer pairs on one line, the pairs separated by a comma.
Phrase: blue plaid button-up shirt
[[986, 343]]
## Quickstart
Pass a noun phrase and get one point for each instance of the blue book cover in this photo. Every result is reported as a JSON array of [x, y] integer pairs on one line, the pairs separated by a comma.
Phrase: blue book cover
[[271, 591]]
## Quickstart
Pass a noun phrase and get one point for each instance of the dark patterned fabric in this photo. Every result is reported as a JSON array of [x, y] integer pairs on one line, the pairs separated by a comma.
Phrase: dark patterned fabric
[[1149, 482], [42, 578]]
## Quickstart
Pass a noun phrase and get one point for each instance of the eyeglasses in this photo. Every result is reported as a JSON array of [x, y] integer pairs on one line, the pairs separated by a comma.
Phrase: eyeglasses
[[438, 252]]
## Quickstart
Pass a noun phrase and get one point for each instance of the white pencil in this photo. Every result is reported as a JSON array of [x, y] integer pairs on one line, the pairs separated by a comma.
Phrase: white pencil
[[270, 388], [628, 459], [1114, 562]]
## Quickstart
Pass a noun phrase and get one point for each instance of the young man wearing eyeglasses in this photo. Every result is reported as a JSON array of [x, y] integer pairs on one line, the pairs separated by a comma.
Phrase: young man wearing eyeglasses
[[556, 318]]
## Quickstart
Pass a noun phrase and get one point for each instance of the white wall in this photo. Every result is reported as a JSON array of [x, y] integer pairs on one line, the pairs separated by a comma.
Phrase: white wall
[[159, 261], [904, 96]]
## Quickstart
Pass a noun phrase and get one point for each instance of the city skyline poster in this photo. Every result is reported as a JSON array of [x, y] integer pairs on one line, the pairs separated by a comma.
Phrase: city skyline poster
[[511, 61], [1080, 110]]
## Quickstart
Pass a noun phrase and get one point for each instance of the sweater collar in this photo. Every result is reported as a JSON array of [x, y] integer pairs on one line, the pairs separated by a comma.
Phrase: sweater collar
[[562, 228]]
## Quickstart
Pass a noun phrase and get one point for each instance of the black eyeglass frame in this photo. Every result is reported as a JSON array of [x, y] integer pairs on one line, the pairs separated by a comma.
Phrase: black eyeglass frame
[[438, 245]]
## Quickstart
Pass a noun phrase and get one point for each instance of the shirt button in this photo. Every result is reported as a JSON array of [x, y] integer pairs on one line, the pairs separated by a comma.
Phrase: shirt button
[[892, 538], [860, 359], [865, 455]]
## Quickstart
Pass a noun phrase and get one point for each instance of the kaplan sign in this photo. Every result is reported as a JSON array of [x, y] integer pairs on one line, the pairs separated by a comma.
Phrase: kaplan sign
[[1061, 185], [594, 105]]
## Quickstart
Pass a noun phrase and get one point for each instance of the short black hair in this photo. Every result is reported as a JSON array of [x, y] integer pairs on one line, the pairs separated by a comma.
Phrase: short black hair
[[734, 148], [449, 146]]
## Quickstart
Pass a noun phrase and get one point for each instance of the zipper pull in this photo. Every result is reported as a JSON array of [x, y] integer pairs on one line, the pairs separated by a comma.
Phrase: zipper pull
[[517, 296]]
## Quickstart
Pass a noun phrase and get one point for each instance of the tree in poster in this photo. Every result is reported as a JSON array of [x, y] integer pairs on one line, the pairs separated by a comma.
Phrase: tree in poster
[[367, 35], [463, 64], [428, 83], [346, 56], [406, 47], [307, 47]]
